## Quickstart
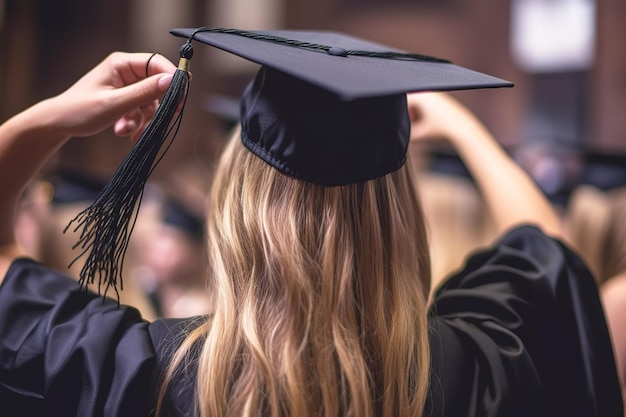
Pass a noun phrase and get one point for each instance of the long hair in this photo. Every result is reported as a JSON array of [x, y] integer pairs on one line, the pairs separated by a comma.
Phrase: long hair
[[320, 297], [614, 248], [587, 221]]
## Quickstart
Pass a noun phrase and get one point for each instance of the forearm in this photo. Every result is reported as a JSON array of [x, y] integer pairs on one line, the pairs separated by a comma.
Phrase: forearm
[[510, 194], [27, 140]]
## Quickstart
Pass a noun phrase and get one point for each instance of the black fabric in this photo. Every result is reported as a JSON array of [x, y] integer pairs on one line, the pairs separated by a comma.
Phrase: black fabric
[[66, 353], [346, 143], [349, 77], [329, 108], [166, 335], [519, 332]]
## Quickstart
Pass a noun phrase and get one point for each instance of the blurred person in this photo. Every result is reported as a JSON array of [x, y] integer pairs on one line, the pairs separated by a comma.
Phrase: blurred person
[[171, 265], [456, 220], [586, 222], [50, 203]]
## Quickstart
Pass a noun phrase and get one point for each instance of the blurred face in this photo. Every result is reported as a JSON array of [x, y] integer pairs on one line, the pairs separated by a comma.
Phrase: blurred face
[[172, 255], [32, 212]]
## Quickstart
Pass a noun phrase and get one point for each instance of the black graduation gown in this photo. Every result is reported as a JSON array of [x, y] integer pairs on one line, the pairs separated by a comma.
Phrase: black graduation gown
[[519, 331]]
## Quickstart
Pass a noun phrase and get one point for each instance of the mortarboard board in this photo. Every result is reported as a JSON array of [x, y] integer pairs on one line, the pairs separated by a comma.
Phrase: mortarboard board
[[330, 108], [324, 107], [347, 66]]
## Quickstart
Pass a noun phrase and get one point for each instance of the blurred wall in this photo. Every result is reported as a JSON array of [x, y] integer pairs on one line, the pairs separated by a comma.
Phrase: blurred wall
[[608, 86]]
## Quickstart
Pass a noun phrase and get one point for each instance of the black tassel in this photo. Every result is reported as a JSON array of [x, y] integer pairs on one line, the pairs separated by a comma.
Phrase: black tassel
[[106, 225]]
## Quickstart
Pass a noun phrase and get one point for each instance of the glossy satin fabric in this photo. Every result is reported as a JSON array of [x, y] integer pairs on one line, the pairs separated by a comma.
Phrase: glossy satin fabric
[[519, 332]]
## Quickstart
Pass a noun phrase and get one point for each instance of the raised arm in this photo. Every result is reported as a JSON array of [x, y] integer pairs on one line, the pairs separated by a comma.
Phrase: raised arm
[[114, 93], [509, 193]]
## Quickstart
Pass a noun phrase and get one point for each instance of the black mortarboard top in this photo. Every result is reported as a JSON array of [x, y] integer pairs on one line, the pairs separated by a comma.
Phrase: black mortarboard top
[[325, 107], [330, 108], [349, 67]]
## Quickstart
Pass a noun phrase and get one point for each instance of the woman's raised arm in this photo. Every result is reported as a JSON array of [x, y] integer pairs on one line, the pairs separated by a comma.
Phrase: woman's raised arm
[[121, 91], [509, 193]]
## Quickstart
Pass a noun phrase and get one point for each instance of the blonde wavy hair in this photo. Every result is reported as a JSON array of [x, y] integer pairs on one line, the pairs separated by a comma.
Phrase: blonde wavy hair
[[615, 243], [320, 297]]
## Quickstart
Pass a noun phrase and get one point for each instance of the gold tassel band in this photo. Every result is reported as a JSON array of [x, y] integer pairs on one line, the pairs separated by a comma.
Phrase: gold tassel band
[[183, 64]]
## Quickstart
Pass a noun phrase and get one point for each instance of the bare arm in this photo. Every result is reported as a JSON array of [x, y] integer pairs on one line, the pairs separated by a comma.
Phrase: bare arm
[[116, 92], [510, 194]]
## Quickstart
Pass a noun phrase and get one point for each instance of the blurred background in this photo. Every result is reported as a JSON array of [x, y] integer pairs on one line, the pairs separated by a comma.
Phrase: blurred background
[[563, 120]]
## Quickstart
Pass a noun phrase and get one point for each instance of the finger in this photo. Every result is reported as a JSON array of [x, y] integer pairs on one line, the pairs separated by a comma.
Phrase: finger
[[138, 66], [147, 115], [135, 122], [136, 135], [157, 64], [125, 127], [140, 94]]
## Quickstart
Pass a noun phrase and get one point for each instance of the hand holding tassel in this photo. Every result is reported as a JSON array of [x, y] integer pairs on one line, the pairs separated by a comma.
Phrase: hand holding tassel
[[116, 92], [104, 228]]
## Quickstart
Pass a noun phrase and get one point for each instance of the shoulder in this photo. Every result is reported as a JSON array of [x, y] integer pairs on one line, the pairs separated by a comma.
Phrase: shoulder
[[523, 259], [523, 316], [167, 336], [8, 255], [614, 289], [60, 335]]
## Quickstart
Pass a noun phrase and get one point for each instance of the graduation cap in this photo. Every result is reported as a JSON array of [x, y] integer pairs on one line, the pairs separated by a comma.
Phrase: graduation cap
[[176, 214], [325, 107], [70, 187], [604, 170]]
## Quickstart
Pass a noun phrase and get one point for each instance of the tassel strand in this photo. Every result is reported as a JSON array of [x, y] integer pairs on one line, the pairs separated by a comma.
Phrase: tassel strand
[[107, 224]]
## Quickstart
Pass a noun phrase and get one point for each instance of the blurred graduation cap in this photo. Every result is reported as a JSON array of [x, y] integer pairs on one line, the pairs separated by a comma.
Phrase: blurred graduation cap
[[570, 167], [178, 215], [225, 107], [559, 170], [325, 107], [68, 187], [604, 170]]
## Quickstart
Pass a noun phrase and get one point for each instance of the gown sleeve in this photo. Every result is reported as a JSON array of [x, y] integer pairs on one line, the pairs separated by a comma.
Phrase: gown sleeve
[[520, 331], [67, 352]]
